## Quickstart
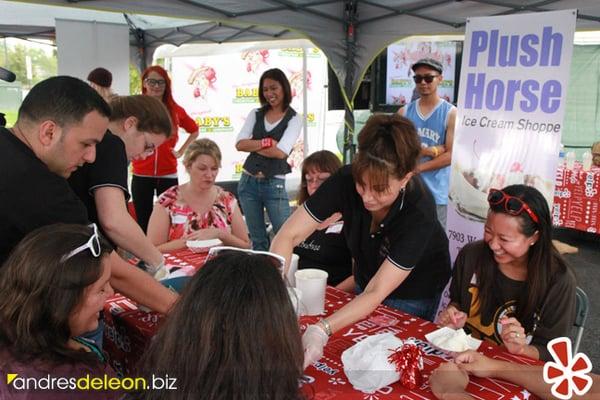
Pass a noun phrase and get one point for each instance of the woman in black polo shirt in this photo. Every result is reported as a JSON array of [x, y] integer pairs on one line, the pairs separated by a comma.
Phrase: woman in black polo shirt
[[399, 248]]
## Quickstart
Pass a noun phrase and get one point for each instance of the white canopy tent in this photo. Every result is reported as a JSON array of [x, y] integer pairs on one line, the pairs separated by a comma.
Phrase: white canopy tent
[[350, 32]]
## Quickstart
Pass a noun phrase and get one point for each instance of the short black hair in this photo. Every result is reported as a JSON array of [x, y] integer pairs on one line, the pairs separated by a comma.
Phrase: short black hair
[[62, 99]]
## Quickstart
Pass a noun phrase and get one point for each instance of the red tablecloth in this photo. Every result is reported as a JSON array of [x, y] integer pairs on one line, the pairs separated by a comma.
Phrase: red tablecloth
[[129, 330], [577, 199]]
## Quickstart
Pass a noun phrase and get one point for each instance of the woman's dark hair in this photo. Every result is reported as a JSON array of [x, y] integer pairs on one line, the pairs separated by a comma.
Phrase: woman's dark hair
[[543, 260], [167, 98], [40, 291], [233, 334], [277, 75], [388, 146], [321, 161]]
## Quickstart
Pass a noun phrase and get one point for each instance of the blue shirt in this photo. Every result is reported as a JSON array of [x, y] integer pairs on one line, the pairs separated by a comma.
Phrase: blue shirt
[[432, 131]]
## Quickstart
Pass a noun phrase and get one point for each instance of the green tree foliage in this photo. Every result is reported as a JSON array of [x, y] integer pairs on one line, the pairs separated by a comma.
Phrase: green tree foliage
[[135, 80], [42, 65]]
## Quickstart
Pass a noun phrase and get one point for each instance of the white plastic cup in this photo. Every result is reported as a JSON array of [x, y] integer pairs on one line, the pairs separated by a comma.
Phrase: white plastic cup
[[296, 298], [312, 283], [292, 270], [587, 161], [570, 160]]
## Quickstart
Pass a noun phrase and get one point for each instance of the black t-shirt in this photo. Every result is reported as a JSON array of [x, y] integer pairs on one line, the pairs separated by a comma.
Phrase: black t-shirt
[[554, 317], [327, 250], [31, 196], [109, 169], [410, 236]]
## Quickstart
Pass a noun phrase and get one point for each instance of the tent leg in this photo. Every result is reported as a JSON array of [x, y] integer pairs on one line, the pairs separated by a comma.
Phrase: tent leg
[[350, 17]]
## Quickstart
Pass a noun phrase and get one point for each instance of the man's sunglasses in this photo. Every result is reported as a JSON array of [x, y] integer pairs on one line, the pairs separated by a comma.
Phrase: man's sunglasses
[[93, 245], [275, 259], [513, 205], [426, 78]]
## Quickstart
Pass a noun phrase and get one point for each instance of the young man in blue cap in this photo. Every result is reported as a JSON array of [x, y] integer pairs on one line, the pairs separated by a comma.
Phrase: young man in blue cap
[[434, 119]]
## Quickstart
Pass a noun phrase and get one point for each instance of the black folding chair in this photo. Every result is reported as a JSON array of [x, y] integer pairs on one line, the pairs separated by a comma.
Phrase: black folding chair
[[582, 308]]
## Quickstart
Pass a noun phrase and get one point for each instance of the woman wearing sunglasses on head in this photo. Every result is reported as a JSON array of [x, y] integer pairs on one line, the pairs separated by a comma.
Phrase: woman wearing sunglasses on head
[[198, 210], [513, 287], [158, 172], [138, 125], [233, 334], [54, 284], [399, 248]]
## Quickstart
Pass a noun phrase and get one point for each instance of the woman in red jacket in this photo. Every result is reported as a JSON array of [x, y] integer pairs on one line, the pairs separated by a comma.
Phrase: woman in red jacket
[[158, 172]]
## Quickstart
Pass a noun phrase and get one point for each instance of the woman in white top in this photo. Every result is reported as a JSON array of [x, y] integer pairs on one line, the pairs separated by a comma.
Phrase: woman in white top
[[268, 135]]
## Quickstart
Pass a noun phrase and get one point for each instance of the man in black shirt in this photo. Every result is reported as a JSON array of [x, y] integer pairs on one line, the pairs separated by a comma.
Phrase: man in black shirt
[[60, 122]]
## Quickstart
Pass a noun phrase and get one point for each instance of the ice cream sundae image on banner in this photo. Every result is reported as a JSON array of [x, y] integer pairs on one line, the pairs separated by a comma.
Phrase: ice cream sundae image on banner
[[474, 174], [202, 79], [255, 59]]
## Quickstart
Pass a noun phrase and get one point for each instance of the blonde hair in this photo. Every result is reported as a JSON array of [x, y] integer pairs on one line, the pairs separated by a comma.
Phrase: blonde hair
[[202, 147]]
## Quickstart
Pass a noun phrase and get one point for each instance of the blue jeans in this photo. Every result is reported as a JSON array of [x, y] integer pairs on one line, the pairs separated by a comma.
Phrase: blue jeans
[[422, 308], [256, 195]]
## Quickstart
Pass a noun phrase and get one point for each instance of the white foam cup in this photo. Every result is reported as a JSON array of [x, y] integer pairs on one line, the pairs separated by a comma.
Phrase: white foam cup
[[312, 284], [296, 298], [292, 269]]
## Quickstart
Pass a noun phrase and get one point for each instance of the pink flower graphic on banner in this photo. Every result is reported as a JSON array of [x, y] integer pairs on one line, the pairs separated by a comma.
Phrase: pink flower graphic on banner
[[255, 59], [567, 374], [202, 79]]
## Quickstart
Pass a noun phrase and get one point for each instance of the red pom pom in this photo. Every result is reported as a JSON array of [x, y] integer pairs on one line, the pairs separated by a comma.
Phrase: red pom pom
[[409, 363]]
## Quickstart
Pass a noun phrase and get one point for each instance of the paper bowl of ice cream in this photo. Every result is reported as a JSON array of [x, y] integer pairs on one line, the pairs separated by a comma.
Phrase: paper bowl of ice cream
[[452, 341], [202, 246]]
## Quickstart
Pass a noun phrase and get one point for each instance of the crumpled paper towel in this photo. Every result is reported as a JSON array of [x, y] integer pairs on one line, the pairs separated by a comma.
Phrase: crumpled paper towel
[[366, 363]]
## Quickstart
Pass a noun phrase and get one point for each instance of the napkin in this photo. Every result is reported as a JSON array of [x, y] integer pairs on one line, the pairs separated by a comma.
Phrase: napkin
[[448, 339], [366, 363]]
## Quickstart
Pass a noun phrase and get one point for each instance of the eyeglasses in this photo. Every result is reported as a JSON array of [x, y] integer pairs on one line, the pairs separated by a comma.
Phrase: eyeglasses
[[93, 245], [149, 148], [155, 82], [275, 259], [513, 205], [316, 180], [426, 78]]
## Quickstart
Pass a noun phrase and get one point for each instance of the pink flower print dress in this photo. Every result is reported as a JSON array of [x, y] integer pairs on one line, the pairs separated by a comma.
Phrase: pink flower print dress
[[184, 220]]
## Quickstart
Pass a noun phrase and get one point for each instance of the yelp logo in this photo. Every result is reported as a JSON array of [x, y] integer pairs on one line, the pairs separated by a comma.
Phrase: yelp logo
[[567, 374]]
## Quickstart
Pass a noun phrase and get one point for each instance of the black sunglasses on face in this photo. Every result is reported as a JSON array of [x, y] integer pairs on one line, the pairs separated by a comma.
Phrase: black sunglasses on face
[[426, 78]]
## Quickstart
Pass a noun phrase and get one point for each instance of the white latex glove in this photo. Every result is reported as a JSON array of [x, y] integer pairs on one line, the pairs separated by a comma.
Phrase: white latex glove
[[313, 342]]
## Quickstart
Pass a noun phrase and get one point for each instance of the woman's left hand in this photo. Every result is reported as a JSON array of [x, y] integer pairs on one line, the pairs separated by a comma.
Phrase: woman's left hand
[[513, 335], [204, 234]]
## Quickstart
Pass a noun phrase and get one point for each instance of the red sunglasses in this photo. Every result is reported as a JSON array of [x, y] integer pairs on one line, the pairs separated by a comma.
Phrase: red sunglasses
[[513, 205]]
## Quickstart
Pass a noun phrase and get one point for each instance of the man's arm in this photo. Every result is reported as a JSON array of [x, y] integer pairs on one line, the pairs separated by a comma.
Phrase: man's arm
[[445, 158], [139, 286], [120, 226]]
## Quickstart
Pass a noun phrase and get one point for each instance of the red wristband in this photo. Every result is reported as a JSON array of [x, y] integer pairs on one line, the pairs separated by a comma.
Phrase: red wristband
[[265, 143]]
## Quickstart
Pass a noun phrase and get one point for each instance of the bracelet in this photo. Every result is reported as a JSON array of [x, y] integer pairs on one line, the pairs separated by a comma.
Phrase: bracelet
[[326, 326], [435, 150], [265, 143]]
